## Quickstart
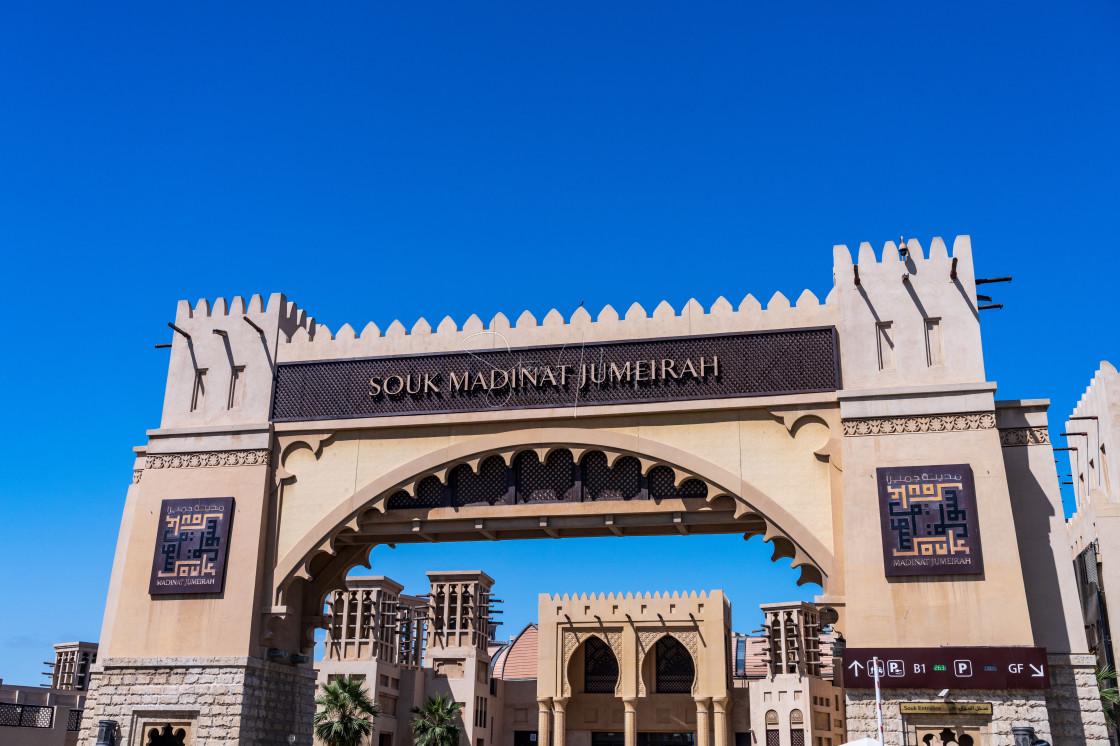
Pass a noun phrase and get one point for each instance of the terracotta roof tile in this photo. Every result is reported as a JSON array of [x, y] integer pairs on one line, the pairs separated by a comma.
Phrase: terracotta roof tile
[[519, 660]]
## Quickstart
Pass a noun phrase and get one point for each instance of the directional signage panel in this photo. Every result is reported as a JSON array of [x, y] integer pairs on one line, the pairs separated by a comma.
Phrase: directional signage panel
[[947, 668]]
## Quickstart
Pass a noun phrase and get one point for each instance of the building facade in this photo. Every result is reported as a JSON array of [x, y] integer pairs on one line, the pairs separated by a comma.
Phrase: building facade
[[595, 670], [1092, 434], [49, 715], [859, 436]]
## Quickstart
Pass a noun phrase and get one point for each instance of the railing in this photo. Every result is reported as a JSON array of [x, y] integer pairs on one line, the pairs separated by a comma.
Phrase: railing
[[26, 716]]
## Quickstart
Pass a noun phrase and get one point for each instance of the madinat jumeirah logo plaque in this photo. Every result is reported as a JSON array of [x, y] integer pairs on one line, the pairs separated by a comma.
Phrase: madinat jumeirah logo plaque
[[192, 542], [929, 520]]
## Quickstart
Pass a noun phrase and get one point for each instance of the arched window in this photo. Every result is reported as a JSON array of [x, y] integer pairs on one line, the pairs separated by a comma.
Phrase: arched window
[[600, 667], [796, 728], [773, 735], [675, 669], [166, 737]]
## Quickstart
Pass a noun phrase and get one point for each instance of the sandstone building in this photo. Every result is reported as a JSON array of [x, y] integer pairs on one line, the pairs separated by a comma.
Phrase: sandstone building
[[595, 670], [49, 715], [1093, 437]]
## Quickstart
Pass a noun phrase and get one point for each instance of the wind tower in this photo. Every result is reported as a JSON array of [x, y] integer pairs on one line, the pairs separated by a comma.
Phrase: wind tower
[[793, 638], [459, 622]]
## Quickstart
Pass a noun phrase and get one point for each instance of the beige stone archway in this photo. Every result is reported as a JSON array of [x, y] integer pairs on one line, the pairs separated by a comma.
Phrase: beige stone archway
[[888, 373], [343, 538]]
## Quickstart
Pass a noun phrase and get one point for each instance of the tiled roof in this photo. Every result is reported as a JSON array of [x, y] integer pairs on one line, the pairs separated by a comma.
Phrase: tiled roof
[[519, 659]]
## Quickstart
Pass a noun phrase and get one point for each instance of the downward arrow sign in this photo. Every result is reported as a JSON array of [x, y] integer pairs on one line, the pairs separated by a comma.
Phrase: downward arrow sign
[[855, 665], [1037, 670]]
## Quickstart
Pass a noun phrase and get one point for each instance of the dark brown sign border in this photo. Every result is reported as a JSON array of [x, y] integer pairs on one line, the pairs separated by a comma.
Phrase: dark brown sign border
[[220, 560], [967, 499], [833, 370]]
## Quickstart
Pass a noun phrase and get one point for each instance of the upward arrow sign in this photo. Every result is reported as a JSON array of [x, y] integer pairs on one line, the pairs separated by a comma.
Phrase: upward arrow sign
[[856, 666]]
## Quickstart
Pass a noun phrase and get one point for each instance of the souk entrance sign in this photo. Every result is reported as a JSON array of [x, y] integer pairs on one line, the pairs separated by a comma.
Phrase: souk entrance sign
[[947, 668], [792, 361]]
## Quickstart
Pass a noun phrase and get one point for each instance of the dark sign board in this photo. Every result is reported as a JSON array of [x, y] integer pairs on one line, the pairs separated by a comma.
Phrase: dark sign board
[[573, 375], [947, 668], [929, 520], [192, 543], [945, 708]]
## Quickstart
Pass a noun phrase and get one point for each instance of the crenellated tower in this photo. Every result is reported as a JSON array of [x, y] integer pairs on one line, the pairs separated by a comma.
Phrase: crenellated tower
[[908, 318]]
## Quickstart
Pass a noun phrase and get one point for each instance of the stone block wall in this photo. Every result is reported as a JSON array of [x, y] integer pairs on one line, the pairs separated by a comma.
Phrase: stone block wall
[[1074, 701], [1068, 713], [243, 701], [1009, 708]]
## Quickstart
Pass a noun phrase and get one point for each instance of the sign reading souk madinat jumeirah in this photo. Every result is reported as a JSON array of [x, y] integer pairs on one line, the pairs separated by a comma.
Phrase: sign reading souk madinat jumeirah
[[192, 543], [929, 520], [655, 370]]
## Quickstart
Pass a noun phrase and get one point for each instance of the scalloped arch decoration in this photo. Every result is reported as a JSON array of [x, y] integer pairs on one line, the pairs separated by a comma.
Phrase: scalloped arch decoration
[[306, 558]]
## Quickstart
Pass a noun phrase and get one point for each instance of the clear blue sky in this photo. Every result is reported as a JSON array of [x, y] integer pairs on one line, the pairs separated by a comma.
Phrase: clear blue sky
[[380, 160]]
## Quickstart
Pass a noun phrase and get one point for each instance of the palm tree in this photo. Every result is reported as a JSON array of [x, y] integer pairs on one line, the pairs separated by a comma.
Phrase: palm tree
[[434, 723], [346, 717], [1110, 695]]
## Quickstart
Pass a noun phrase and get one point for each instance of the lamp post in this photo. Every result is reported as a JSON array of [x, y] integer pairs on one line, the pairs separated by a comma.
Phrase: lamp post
[[106, 733], [878, 700]]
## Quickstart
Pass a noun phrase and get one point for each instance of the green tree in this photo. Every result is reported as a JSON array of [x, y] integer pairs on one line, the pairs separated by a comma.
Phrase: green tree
[[1110, 695], [347, 712], [435, 723]]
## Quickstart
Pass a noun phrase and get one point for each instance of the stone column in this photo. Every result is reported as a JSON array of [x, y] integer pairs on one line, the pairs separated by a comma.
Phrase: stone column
[[544, 714], [703, 728], [559, 725], [630, 721], [719, 720]]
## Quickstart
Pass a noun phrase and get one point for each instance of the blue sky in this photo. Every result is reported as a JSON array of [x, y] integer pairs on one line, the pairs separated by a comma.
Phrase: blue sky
[[376, 161]]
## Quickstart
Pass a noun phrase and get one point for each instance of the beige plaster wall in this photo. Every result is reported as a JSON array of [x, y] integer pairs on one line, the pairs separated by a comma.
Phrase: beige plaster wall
[[1096, 485], [1040, 526], [516, 709], [905, 294], [228, 624], [631, 624], [61, 700], [784, 693], [920, 611]]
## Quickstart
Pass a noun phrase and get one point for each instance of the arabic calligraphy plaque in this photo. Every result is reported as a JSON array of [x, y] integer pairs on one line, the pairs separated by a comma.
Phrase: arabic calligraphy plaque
[[929, 520], [192, 543]]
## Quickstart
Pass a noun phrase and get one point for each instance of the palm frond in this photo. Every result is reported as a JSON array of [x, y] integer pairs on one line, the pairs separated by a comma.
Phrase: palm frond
[[346, 713]]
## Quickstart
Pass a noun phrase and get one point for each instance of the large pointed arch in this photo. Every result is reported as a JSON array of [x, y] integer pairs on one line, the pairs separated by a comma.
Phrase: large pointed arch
[[327, 550]]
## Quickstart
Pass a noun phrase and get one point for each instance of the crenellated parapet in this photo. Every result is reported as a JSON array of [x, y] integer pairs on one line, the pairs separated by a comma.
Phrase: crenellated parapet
[[222, 358], [908, 317], [1092, 428], [904, 318], [287, 313], [315, 341], [629, 596]]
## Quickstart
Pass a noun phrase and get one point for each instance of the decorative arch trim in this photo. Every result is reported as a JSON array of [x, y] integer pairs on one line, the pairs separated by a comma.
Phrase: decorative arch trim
[[648, 638], [573, 639], [320, 538]]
